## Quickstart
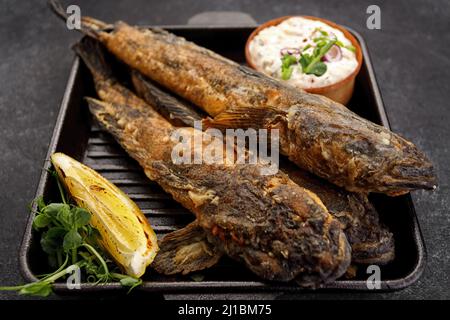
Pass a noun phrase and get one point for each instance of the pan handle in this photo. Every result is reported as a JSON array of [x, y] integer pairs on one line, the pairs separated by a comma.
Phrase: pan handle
[[222, 18]]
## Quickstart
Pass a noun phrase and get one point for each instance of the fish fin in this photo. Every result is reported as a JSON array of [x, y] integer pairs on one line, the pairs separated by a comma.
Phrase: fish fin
[[185, 251], [178, 112], [89, 26], [378, 246], [92, 54], [371, 241], [351, 272], [245, 117]]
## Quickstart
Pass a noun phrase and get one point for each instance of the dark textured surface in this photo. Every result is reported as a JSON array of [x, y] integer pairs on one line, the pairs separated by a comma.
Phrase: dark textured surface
[[410, 55]]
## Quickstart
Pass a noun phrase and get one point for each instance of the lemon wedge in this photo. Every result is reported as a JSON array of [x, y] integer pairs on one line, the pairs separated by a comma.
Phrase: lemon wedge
[[125, 232]]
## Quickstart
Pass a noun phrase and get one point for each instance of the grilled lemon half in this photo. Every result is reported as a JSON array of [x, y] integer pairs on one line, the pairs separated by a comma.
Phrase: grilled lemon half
[[125, 232]]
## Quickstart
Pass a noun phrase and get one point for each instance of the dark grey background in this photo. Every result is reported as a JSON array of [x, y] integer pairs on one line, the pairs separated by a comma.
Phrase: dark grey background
[[410, 56]]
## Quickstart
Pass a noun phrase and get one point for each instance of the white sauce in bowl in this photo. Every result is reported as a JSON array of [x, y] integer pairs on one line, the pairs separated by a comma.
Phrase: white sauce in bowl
[[297, 32]]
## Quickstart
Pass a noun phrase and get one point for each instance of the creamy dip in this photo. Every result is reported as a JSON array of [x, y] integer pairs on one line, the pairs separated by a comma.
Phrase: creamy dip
[[270, 44]]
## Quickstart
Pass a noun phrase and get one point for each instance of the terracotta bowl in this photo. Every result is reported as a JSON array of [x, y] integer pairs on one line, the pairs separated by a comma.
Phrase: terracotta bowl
[[340, 91]]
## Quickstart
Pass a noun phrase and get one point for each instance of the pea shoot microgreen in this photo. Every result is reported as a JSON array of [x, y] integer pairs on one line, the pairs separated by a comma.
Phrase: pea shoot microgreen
[[68, 239], [287, 66], [311, 63]]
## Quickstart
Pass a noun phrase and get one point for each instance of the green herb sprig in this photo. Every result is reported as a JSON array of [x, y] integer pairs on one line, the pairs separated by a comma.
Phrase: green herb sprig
[[325, 37], [287, 66], [66, 235], [311, 62]]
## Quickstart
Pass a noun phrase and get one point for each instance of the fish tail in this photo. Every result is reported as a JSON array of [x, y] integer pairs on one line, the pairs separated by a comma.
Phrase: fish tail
[[89, 26], [91, 52], [176, 111]]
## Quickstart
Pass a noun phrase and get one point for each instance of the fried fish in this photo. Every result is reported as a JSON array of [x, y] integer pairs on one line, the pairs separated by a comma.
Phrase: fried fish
[[279, 230], [371, 242], [318, 134]]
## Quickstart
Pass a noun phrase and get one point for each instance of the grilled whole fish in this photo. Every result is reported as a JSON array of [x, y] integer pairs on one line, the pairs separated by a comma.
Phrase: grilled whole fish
[[318, 134], [371, 242], [279, 230]]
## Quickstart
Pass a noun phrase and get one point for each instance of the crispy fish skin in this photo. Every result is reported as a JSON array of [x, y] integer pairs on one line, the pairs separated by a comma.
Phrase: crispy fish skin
[[371, 242], [278, 229], [317, 133]]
